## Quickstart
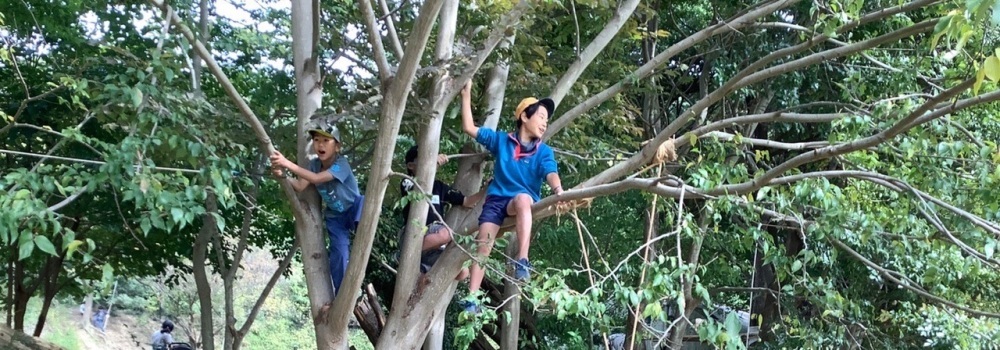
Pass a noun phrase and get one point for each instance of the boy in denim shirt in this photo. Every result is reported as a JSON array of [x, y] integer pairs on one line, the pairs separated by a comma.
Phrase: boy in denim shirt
[[333, 178]]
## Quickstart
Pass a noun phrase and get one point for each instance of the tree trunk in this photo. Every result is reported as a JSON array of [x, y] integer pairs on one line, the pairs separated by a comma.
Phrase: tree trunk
[[435, 337], [396, 90], [9, 300], [308, 221], [429, 141], [50, 287], [200, 271], [22, 294], [203, 37], [88, 310], [512, 295]]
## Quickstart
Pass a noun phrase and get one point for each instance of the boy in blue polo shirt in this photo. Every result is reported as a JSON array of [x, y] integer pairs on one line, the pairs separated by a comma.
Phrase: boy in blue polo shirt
[[521, 162], [332, 176]]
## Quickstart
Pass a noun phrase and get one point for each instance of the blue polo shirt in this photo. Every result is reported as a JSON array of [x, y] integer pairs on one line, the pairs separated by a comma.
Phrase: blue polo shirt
[[514, 171], [338, 194]]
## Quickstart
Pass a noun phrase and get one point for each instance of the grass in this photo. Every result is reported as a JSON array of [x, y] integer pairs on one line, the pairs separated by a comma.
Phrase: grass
[[359, 340], [58, 330]]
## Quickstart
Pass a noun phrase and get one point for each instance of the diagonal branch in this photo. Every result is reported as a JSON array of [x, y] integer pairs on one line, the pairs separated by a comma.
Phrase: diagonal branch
[[227, 86], [375, 40], [904, 124], [282, 267], [769, 143], [621, 16], [650, 67], [500, 31], [391, 26], [891, 276]]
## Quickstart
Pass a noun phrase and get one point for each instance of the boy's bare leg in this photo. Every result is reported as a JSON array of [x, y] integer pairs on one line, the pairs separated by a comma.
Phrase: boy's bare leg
[[520, 209], [487, 233]]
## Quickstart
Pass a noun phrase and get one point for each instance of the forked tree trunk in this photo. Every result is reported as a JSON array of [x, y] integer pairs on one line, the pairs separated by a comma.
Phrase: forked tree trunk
[[308, 219]]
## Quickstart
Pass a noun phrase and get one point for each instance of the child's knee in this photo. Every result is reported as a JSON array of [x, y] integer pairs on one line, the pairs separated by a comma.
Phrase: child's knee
[[522, 201]]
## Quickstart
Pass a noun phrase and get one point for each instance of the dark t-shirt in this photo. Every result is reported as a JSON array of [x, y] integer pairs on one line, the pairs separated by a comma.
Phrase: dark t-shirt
[[440, 195]]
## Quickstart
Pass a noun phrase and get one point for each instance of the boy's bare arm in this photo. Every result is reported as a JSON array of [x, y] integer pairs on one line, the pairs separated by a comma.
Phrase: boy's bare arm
[[468, 125], [297, 184], [309, 177], [555, 183], [305, 176]]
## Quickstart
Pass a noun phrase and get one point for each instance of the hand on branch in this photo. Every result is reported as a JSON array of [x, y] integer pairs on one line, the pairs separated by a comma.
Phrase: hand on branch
[[279, 160]]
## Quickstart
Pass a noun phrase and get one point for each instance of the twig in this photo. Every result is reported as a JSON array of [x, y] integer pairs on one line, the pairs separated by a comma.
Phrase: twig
[[87, 161]]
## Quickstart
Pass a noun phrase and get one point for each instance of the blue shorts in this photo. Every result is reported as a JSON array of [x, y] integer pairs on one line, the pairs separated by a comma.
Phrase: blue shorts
[[494, 210]]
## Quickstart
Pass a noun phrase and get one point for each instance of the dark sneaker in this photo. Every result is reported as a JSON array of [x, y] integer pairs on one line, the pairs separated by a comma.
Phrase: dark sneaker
[[522, 269], [470, 306]]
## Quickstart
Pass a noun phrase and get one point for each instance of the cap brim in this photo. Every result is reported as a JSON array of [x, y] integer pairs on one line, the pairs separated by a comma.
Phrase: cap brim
[[313, 133], [549, 105]]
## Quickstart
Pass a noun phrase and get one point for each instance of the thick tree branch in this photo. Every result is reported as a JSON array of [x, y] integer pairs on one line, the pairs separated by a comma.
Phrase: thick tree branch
[[621, 16], [650, 67], [230, 90]]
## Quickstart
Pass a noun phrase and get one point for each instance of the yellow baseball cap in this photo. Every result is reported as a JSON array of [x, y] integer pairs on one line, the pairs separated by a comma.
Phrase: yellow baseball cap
[[530, 101]]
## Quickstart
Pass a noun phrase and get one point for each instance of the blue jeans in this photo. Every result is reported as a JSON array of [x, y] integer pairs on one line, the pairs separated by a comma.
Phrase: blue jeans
[[339, 228]]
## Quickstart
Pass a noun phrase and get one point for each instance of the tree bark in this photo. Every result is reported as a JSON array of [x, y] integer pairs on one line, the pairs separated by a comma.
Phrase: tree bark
[[200, 270], [396, 94], [429, 140], [88, 310], [308, 219], [512, 295]]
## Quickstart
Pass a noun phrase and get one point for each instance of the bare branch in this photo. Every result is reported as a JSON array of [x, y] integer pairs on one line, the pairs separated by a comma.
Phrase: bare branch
[[891, 276], [621, 16], [905, 124], [282, 267], [24, 105], [769, 143], [499, 32], [375, 40], [68, 200], [391, 26], [87, 161], [649, 68]]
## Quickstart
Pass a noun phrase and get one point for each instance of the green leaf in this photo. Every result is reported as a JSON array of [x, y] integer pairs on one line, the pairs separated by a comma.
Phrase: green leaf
[[73, 246], [107, 272], [136, 97], [992, 68], [990, 249], [177, 214], [25, 249], [980, 76], [939, 30], [146, 225], [45, 245], [797, 265]]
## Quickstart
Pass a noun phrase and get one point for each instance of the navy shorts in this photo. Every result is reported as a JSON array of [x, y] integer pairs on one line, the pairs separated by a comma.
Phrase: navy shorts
[[494, 210]]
